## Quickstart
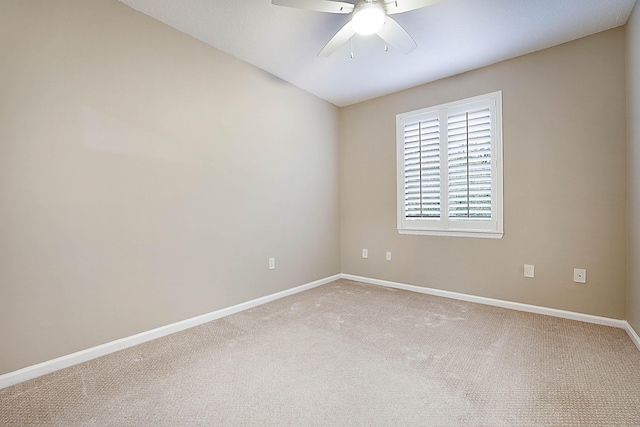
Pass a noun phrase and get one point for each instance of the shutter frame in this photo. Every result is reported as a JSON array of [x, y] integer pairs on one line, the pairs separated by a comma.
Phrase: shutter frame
[[481, 156]]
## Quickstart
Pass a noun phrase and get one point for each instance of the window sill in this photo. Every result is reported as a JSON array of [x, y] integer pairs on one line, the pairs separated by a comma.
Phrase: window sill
[[483, 234]]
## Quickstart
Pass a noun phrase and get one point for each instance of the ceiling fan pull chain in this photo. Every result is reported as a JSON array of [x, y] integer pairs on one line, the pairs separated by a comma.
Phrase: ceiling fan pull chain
[[386, 47]]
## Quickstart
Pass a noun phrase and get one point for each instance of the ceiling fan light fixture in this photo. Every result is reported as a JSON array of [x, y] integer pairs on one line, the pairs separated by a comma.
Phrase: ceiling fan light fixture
[[368, 19]]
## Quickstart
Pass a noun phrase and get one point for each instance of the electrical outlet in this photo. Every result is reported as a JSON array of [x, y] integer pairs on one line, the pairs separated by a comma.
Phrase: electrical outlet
[[529, 270], [580, 275], [388, 258], [365, 253], [272, 263]]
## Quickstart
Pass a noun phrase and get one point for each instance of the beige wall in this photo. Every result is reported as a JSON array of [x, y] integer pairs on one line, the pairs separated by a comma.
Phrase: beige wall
[[564, 183], [633, 177], [146, 178]]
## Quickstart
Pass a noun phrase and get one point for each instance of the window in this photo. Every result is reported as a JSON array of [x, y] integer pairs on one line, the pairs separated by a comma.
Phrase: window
[[450, 168]]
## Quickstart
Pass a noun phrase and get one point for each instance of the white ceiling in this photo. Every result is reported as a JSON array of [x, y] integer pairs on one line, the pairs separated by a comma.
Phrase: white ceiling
[[453, 36]]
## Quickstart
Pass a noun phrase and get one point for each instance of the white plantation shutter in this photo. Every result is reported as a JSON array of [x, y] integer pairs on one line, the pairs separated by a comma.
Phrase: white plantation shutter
[[422, 168], [450, 168], [469, 164]]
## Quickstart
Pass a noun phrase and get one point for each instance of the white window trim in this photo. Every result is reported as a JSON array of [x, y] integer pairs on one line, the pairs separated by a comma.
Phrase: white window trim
[[443, 226]]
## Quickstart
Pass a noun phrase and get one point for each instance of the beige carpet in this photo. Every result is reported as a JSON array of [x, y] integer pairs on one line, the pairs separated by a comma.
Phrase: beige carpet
[[351, 354]]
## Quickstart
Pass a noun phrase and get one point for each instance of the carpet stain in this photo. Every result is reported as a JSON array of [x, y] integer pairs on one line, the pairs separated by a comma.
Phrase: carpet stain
[[334, 320]]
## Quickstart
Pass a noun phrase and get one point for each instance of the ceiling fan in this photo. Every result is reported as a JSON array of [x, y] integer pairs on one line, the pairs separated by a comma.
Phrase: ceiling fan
[[368, 17]]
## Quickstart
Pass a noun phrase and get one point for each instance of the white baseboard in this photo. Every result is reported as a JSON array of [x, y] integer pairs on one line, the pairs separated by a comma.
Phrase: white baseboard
[[53, 365], [496, 302], [632, 334], [62, 362]]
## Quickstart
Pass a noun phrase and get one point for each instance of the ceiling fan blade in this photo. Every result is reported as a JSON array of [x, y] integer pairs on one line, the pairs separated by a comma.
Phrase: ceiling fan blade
[[396, 36], [317, 5], [399, 6], [344, 34]]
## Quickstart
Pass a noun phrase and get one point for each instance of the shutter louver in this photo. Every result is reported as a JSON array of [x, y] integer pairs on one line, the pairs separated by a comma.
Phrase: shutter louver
[[422, 169], [469, 164]]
